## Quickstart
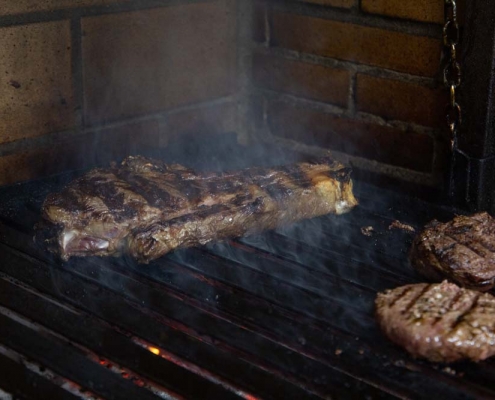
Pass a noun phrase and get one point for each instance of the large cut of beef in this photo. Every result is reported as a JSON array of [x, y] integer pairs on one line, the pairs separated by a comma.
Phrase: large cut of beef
[[146, 208], [461, 250], [441, 322]]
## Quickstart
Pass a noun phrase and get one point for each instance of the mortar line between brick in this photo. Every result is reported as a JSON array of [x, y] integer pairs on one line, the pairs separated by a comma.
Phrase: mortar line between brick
[[62, 136], [379, 72], [416, 28], [77, 74], [265, 113], [371, 165], [351, 100], [359, 6], [244, 17], [340, 112], [80, 12], [268, 28]]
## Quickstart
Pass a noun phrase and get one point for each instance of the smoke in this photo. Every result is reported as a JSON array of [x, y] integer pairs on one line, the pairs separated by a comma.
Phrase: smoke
[[295, 267], [316, 270]]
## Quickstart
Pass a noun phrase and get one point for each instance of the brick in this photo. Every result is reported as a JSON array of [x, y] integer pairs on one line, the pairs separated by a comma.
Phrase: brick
[[84, 151], [332, 3], [315, 82], [398, 100], [200, 121], [148, 61], [20, 166], [26, 6], [419, 10], [375, 142], [36, 94], [115, 143], [257, 109], [373, 46]]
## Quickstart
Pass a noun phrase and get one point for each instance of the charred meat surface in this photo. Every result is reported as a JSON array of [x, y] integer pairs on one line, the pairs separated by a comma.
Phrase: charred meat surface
[[440, 322], [147, 208], [462, 250]]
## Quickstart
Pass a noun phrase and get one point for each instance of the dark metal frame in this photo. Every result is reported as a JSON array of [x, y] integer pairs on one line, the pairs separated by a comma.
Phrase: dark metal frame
[[473, 172]]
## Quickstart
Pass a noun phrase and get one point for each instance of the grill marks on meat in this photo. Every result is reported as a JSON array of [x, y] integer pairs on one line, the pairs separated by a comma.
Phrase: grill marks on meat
[[252, 200], [209, 223], [440, 322], [147, 208], [462, 250]]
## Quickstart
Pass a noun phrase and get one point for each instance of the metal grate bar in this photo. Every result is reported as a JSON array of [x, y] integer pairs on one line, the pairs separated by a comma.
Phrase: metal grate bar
[[24, 384], [67, 361], [382, 378], [313, 261], [151, 326], [107, 342], [287, 313], [350, 266]]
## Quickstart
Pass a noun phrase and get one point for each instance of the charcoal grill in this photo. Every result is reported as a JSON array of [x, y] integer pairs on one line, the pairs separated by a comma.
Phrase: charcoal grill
[[287, 314]]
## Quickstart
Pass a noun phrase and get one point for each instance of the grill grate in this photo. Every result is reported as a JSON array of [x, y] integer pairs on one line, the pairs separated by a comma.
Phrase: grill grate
[[286, 314]]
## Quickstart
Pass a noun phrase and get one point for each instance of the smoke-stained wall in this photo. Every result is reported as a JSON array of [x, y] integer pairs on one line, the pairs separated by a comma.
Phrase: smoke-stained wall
[[87, 81], [361, 78], [91, 80]]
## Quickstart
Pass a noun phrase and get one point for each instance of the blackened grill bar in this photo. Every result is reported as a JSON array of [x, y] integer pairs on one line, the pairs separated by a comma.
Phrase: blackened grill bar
[[285, 314]]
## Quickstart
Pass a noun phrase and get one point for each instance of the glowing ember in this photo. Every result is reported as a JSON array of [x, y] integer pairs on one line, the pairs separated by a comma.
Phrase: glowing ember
[[193, 368], [139, 382]]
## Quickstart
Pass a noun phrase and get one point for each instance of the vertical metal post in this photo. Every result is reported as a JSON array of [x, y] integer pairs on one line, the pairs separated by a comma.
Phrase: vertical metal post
[[473, 180]]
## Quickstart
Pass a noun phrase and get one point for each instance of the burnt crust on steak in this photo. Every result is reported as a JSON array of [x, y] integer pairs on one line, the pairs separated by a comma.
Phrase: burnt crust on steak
[[440, 322], [147, 208], [462, 250]]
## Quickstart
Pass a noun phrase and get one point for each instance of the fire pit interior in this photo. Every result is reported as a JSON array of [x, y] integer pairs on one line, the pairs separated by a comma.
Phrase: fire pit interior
[[220, 85]]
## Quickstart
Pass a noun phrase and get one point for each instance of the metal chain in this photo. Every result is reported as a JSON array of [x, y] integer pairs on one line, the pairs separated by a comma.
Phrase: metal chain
[[452, 69]]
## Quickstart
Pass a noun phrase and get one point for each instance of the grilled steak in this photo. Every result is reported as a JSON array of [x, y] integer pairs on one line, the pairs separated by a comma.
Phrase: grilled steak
[[440, 322], [462, 250], [147, 208]]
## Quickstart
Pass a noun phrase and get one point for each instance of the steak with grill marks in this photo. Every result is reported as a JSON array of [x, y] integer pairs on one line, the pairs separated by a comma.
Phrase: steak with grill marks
[[462, 250], [440, 322], [146, 208]]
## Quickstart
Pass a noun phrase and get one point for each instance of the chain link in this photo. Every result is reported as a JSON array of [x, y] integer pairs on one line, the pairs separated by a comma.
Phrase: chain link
[[452, 68]]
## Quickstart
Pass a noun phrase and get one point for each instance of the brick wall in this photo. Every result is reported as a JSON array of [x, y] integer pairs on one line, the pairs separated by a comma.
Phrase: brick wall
[[82, 81], [359, 78]]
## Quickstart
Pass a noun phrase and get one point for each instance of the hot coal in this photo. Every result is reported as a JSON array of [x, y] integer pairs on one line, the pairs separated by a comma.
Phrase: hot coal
[[462, 250], [440, 322], [147, 208]]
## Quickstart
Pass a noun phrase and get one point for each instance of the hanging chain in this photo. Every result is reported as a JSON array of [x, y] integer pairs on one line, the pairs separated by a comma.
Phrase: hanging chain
[[452, 69]]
